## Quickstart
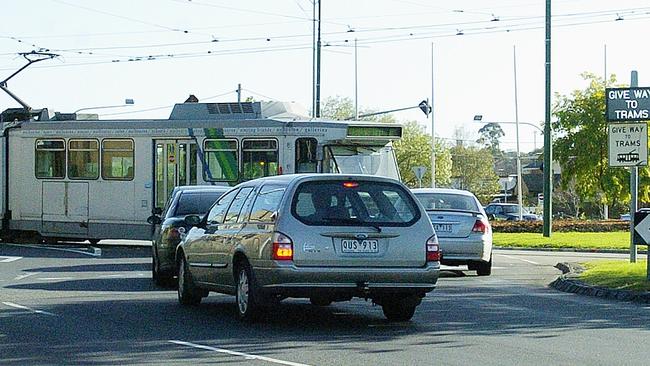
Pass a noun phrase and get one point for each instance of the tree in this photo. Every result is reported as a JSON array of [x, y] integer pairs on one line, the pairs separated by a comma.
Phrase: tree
[[414, 149], [338, 108], [473, 170], [581, 148], [489, 136]]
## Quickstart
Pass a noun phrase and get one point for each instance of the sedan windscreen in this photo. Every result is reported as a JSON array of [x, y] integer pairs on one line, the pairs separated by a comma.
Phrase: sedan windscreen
[[195, 202], [354, 203], [447, 202]]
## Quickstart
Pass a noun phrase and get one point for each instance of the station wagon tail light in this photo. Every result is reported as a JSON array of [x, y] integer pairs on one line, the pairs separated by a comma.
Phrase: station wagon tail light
[[282, 247], [433, 249], [481, 226], [350, 184]]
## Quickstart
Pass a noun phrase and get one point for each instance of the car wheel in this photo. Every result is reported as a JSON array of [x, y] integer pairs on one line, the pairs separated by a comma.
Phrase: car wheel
[[484, 268], [247, 296], [320, 301], [188, 294], [399, 310]]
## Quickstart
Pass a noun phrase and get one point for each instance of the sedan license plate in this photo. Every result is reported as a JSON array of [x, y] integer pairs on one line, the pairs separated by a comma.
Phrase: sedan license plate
[[359, 246], [442, 228]]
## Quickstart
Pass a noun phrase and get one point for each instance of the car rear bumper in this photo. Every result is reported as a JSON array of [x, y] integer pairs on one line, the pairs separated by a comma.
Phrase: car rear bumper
[[296, 281], [465, 250]]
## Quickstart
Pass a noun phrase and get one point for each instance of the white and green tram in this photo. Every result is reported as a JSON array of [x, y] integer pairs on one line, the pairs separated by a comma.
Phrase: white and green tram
[[63, 177]]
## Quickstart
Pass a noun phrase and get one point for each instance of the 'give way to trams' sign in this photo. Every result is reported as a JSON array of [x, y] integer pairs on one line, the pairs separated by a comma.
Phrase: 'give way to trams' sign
[[628, 144]]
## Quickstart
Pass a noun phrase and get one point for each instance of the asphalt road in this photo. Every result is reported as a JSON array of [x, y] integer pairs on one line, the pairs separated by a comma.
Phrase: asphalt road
[[81, 305]]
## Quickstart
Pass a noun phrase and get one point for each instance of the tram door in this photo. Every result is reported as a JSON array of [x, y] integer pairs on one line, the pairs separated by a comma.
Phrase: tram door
[[175, 165]]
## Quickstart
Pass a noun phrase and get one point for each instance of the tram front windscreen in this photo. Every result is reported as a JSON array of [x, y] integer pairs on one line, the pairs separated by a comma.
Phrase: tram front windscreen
[[356, 159]]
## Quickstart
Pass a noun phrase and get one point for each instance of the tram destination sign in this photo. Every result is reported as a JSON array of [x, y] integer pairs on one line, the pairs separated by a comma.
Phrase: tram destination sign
[[627, 104], [628, 144]]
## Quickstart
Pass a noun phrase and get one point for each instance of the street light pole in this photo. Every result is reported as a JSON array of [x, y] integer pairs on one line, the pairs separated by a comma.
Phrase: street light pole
[[519, 181], [127, 102]]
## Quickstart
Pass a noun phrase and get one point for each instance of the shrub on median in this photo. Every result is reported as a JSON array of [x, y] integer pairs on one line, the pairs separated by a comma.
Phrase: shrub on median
[[563, 225]]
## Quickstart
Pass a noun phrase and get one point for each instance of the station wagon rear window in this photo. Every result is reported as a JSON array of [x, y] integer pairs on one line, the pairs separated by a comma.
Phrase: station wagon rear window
[[354, 203], [448, 202]]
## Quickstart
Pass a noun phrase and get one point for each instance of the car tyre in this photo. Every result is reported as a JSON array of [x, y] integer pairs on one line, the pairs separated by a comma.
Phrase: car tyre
[[399, 310], [188, 294], [484, 268], [247, 295]]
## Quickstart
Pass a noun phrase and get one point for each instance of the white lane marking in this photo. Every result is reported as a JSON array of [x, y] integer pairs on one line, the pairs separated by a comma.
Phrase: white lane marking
[[20, 277], [8, 259], [234, 353], [520, 259], [55, 278], [11, 304], [112, 276], [96, 251]]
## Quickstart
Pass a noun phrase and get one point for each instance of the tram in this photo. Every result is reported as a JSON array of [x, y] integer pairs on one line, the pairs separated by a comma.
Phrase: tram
[[75, 177]]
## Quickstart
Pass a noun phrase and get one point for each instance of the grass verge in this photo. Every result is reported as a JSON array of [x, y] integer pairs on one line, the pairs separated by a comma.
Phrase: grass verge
[[616, 274], [574, 240]]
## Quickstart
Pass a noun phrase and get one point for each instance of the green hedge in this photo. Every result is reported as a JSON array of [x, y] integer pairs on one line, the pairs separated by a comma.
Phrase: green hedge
[[563, 225]]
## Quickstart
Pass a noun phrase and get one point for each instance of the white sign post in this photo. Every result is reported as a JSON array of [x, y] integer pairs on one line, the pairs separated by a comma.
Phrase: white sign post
[[628, 144], [419, 173]]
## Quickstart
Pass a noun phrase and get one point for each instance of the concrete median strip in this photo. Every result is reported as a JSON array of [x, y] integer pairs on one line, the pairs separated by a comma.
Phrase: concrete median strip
[[569, 282]]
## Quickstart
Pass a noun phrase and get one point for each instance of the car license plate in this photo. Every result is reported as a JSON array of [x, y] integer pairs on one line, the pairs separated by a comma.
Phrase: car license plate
[[359, 246], [442, 228]]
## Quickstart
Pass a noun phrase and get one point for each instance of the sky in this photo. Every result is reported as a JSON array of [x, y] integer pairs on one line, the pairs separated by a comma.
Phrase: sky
[[460, 54]]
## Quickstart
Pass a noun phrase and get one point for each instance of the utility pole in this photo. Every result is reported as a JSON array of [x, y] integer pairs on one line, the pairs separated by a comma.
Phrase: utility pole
[[433, 129], [238, 93], [548, 143], [313, 61], [318, 46]]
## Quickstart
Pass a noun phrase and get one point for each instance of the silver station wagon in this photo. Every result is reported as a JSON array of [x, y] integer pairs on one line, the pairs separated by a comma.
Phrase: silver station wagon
[[325, 237]]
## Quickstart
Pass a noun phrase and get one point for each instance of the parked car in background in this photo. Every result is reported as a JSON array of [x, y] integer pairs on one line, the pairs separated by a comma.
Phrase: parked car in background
[[169, 227], [508, 211], [462, 227], [325, 237]]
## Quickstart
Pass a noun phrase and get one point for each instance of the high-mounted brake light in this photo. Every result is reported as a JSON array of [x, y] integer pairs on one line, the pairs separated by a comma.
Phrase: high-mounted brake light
[[282, 247], [350, 184], [433, 249]]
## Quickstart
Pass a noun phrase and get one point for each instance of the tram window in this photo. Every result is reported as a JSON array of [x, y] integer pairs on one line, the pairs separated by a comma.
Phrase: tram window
[[117, 159], [50, 158], [83, 159], [222, 160], [260, 158], [306, 155]]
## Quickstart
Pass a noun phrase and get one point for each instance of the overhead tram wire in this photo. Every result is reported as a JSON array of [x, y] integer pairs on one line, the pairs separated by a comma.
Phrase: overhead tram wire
[[503, 26], [385, 39]]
